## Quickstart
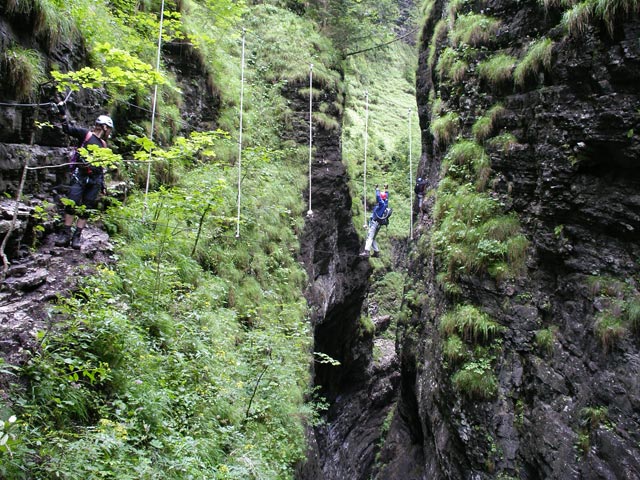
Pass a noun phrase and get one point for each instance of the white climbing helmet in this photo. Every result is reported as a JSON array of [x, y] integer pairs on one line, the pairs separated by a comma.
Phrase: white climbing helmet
[[104, 120]]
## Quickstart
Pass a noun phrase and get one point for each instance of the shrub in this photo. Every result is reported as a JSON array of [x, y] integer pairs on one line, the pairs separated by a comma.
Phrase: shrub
[[445, 128], [474, 29], [538, 56], [497, 70]]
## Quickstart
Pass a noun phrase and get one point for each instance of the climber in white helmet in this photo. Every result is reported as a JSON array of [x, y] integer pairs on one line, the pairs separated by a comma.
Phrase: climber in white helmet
[[87, 180]]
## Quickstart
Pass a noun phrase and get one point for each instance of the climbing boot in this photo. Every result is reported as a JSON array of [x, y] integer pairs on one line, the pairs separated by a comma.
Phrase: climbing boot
[[375, 254], [76, 241], [365, 254], [64, 238]]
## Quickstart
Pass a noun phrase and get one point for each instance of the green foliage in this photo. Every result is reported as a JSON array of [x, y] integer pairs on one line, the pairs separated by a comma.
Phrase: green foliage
[[451, 65], [389, 291], [156, 353], [22, 72], [353, 25], [545, 339], [50, 19], [189, 357], [578, 15], [290, 61], [484, 125], [503, 142], [497, 70], [465, 161], [439, 34], [476, 380], [391, 101], [119, 71], [620, 309], [326, 121], [537, 58], [472, 236], [610, 329], [474, 29], [592, 417], [454, 349], [633, 312], [470, 324], [445, 128]]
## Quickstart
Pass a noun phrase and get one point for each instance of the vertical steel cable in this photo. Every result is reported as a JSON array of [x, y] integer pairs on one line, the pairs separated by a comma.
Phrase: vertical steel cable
[[366, 141], [410, 183], [310, 211], [153, 107], [240, 135]]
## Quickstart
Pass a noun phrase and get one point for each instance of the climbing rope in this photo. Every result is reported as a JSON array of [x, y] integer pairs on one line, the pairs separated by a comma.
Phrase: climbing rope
[[153, 106], [310, 211], [240, 135], [366, 141], [410, 182]]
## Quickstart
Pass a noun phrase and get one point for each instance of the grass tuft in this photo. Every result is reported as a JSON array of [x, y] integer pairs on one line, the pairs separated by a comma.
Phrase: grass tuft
[[497, 70], [476, 380], [470, 324], [451, 66], [610, 329], [545, 339], [484, 126], [474, 29], [23, 72], [445, 128], [538, 57], [503, 142]]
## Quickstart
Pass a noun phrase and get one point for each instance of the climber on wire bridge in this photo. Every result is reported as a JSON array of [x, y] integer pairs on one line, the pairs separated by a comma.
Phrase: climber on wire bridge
[[379, 217]]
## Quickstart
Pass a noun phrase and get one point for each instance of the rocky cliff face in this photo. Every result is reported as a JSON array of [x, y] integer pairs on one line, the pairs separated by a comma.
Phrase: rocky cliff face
[[566, 405], [338, 280]]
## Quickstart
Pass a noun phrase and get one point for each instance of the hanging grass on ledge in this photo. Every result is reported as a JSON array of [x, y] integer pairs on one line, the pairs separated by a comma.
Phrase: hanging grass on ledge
[[472, 236], [484, 125], [326, 121], [537, 58], [502, 142], [445, 128], [474, 29], [466, 161], [22, 71], [471, 324], [451, 66], [497, 70]]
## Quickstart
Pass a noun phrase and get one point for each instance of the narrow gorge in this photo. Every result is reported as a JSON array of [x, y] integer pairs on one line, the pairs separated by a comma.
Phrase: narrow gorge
[[513, 348]]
